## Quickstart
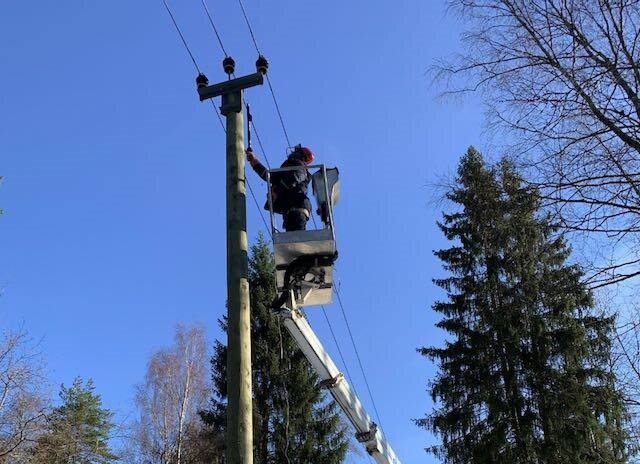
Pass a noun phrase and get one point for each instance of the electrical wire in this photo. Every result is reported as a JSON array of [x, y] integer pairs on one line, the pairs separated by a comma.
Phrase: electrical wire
[[336, 291], [215, 29], [273, 94], [246, 18], [222, 47], [166, 5], [264, 153], [195, 63], [353, 343], [253, 195], [275, 101], [335, 340], [219, 117]]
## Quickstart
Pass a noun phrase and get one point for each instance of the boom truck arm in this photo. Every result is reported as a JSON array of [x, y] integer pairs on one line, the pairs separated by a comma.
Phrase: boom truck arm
[[367, 432]]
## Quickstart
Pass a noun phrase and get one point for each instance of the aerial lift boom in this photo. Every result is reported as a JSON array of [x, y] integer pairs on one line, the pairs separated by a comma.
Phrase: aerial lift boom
[[304, 277], [367, 431]]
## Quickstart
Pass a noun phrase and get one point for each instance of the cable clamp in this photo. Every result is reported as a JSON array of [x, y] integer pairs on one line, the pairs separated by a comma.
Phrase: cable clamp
[[370, 435], [332, 382]]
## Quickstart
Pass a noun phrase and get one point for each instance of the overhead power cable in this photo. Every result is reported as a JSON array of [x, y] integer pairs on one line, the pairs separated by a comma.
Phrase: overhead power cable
[[266, 158], [246, 18], [335, 340], [184, 42], [195, 63], [364, 375], [215, 29], [264, 153], [273, 94], [222, 47], [166, 5]]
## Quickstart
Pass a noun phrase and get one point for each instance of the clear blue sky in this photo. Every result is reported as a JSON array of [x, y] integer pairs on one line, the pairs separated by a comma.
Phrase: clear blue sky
[[114, 178]]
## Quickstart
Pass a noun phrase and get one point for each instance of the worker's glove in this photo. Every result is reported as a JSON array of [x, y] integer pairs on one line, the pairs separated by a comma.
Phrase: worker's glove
[[250, 156]]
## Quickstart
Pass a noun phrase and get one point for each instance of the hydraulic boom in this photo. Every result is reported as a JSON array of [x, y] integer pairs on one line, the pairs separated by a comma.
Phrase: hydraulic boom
[[367, 432]]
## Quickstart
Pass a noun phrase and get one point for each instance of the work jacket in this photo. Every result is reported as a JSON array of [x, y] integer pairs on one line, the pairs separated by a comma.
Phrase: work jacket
[[288, 188]]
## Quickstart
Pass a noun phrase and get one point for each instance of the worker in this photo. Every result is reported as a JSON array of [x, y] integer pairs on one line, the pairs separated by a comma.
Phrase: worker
[[289, 188]]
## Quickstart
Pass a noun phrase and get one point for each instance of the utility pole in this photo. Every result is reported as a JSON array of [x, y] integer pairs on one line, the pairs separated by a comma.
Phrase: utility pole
[[239, 448]]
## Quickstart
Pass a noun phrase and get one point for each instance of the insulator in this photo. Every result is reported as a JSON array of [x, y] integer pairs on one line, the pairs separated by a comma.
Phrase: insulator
[[262, 65], [229, 65], [202, 81]]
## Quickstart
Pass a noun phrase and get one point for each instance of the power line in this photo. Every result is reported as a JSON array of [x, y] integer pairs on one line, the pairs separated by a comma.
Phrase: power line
[[219, 117], [186, 46], [353, 343], [275, 101], [246, 18], [344, 362], [267, 161], [364, 375], [264, 153], [215, 29], [222, 47], [181, 36], [264, 221], [335, 340], [273, 94], [253, 195]]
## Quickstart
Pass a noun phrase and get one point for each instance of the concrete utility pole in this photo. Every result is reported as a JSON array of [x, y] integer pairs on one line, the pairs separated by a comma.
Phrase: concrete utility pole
[[239, 409]]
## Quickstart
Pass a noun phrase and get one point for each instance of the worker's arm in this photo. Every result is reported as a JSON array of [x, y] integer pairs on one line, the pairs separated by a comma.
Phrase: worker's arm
[[256, 165]]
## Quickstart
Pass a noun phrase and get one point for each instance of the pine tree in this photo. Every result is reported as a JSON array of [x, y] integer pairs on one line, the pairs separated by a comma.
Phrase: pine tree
[[523, 376], [293, 420], [78, 431]]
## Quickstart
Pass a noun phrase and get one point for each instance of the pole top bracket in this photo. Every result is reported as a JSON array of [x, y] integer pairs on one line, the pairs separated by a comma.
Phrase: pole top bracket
[[231, 86]]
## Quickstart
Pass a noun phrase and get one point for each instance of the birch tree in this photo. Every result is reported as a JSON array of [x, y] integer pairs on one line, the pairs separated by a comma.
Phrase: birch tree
[[169, 400]]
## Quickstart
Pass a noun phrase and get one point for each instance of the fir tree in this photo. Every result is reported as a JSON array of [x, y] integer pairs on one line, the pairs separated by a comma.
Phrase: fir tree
[[78, 431], [293, 420], [523, 376]]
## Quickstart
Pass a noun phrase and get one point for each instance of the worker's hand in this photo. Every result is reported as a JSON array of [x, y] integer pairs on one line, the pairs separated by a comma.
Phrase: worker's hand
[[250, 156]]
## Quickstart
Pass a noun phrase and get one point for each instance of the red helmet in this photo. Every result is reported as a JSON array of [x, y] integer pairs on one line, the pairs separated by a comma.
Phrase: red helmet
[[307, 154], [302, 153]]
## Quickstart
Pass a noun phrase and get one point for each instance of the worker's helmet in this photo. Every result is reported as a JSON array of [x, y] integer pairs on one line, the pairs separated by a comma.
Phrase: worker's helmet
[[302, 153]]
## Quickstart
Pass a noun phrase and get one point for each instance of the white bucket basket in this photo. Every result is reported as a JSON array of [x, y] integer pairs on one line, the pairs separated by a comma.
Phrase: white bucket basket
[[304, 258]]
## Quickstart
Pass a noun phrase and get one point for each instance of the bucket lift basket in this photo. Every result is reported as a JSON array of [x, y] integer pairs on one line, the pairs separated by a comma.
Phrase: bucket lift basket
[[304, 258]]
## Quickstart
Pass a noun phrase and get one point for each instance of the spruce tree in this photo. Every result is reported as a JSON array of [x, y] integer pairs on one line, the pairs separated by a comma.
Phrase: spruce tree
[[78, 431], [523, 375], [294, 421]]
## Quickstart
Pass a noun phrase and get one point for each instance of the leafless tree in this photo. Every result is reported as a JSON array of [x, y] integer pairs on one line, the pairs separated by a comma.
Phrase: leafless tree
[[168, 402], [23, 402], [562, 77]]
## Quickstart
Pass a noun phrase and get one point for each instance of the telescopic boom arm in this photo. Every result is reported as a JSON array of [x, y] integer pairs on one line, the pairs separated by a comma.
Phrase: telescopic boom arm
[[367, 432]]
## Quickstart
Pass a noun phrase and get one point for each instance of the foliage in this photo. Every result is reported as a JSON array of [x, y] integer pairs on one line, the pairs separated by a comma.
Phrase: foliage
[[78, 431], [524, 376]]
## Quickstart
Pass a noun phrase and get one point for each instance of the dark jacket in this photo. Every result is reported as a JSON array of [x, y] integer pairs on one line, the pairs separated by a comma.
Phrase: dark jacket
[[289, 188]]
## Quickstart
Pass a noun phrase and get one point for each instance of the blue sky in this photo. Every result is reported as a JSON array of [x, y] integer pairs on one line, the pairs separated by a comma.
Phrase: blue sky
[[113, 229]]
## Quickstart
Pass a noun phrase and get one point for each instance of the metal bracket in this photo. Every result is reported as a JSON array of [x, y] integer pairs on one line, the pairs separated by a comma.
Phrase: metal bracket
[[370, 435], [331, 383], [230, 86], [231, 103]]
